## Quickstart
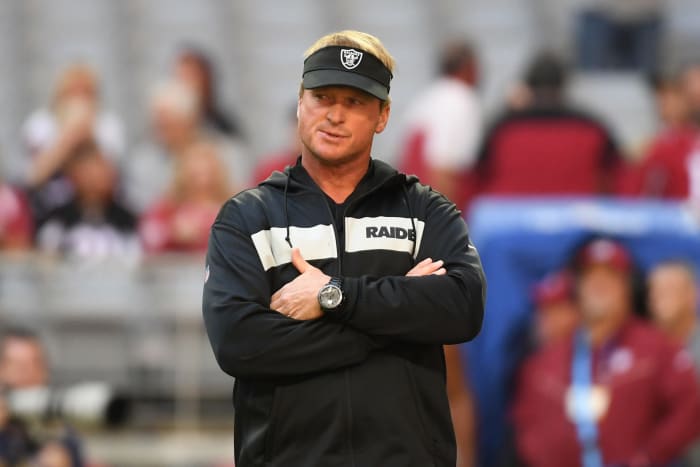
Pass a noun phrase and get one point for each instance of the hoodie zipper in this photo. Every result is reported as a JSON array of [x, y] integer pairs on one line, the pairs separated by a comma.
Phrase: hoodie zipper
[[348, 399], [339, 272]]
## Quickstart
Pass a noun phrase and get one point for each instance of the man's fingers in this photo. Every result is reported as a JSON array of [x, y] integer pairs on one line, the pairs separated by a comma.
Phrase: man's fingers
[[298, 261], [440, 272], [426, 267], [415, 270]]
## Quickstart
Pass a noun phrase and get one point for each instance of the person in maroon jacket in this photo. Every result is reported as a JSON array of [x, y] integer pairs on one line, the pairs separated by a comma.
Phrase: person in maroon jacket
[[556, 314], [547, 148], [618, 392]]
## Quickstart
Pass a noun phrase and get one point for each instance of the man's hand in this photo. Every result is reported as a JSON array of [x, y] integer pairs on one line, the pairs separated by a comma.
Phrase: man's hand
[[426, 268], [298, 299]]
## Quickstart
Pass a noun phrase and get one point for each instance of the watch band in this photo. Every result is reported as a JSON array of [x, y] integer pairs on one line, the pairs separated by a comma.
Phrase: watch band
[[335, 312], [338, 282]]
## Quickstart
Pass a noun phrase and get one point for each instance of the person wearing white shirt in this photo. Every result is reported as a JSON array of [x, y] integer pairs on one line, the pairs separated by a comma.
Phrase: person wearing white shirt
[[443, 125]]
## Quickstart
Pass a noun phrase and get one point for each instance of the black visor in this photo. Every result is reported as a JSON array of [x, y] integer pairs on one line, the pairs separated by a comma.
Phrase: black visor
[[347, 66]]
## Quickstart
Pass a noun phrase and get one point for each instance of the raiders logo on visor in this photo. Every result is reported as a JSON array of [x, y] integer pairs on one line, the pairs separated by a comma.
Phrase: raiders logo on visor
[[344, 66], [350, 58]]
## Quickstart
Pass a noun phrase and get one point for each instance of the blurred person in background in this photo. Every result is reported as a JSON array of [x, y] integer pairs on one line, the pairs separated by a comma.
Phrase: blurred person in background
[[547, 147], [175, 127], [194, 67], [672, 106], [670, 167], [24, 366], [443, 126], [15, 443], [53, 453], [620, 34], [181, 221], [463, 408], [673, 303], [556, 315], [51, 135], [16, 224], [23, 362], [285, 157], [617, 392], [93, 224]]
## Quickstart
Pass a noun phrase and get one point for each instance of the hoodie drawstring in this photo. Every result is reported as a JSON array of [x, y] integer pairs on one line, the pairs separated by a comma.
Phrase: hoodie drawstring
[[413, 222], [286, 213]]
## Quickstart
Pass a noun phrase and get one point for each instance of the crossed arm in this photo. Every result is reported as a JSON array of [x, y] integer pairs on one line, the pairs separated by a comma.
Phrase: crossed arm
[[257, 333], [298, 298]]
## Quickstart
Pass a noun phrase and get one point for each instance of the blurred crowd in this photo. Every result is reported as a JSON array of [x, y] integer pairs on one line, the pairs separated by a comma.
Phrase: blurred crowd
[[610, 371], [88, 194]]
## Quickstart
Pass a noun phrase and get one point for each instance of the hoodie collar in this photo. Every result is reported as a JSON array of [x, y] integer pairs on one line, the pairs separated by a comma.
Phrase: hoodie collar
[[295, 179]]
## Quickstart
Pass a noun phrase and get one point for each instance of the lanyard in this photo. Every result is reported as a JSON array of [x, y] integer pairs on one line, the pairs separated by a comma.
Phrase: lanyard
[[582, 386]]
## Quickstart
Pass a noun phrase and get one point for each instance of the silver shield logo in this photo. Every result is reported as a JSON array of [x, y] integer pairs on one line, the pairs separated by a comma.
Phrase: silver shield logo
[[350, 58]]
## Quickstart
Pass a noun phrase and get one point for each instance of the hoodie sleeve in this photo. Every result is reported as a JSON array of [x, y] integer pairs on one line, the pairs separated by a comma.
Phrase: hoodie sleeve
[[433, 309], [249, 339]]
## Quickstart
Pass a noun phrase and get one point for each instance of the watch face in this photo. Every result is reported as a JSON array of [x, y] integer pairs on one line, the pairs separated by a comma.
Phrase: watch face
[[330, 296]]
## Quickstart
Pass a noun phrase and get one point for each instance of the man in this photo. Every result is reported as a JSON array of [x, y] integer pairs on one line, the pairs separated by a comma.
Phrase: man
[[93, 224], [670, 167], [673, 302], [556, 314], [616, 393], [444, 124], [321, 296], [176, 126], [547, 148], [23, 363], [24, 367]]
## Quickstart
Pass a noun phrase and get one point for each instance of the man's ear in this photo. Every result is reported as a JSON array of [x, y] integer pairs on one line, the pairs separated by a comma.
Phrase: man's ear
[[384, 113]]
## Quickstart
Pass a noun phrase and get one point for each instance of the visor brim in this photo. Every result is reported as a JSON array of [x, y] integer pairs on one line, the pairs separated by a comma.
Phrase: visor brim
[[320, 78]]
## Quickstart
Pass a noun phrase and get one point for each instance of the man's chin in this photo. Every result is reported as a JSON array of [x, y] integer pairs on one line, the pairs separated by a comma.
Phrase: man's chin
[[333, 159]]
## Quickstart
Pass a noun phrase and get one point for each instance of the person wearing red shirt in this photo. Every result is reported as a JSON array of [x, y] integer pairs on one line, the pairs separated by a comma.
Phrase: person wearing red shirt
[[181, 220], [618, 392], [557, 315], [547, 148], [664, 170], [16, 226], [443, 126]]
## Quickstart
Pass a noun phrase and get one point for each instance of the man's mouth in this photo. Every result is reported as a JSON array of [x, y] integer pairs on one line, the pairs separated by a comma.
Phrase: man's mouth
[[332, 135]]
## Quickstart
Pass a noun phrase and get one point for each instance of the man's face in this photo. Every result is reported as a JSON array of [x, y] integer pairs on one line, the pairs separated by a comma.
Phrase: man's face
[[337, 123], [556, 321], [671, 294], [170, 125], [22, 364], [94, 177], [603, 292]]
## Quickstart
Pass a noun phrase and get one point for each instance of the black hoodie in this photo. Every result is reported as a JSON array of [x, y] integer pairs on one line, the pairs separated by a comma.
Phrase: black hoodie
[[367, 390]]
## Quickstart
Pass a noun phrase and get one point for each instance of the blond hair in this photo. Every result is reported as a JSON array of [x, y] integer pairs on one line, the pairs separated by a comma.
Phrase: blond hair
[[76, 73], [356, 39], [201, 152]]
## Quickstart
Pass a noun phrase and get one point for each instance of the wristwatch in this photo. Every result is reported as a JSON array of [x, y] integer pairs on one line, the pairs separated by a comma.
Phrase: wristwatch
[[331, 295]]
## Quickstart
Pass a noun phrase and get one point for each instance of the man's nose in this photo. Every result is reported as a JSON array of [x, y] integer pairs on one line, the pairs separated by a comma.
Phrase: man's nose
[[336, 114]]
